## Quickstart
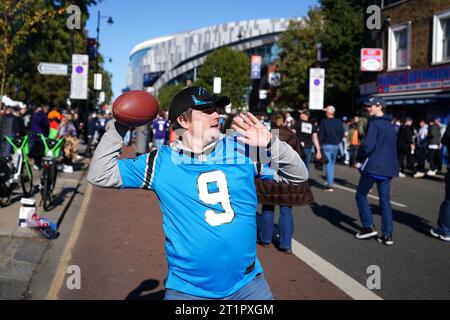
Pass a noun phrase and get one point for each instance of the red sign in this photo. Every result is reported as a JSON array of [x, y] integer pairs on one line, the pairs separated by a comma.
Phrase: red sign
[[256, 59], [371, 59]]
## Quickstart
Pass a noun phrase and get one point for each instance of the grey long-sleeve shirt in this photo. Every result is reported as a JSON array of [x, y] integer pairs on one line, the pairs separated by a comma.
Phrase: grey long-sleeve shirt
[[104, 168]]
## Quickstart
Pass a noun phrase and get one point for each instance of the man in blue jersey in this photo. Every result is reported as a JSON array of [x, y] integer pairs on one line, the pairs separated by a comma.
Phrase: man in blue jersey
[[205, 185]]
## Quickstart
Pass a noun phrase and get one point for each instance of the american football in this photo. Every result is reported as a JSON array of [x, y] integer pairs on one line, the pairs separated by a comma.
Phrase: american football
[[135, 108]]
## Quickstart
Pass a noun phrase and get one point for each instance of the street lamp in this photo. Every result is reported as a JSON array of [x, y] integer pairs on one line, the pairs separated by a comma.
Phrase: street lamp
[[110, 22]]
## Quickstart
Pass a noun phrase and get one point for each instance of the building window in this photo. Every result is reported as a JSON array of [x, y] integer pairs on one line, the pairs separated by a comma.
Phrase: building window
[[399, 46], [387, 3], [441, 38]]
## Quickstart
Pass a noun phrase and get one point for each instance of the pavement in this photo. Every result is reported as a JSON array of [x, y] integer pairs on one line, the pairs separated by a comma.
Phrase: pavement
[[22, 248]]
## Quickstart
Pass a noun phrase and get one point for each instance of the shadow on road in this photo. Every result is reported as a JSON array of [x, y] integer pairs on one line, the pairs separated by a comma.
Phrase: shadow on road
[[414, 222], [352, 225], [140, 292], [336, 218]]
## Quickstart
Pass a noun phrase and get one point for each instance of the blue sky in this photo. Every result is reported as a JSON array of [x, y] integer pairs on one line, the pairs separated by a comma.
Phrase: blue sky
[[138, 20]]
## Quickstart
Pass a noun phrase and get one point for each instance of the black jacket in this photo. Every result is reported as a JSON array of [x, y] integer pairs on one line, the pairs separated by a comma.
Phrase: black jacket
[[405, 139], [434, 134], [331, 131]]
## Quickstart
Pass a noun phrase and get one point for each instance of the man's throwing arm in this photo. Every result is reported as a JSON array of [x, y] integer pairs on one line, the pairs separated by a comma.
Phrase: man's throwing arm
[[104, 168]]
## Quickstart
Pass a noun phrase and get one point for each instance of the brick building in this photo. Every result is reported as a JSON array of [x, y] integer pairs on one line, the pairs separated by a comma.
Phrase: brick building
[[415, 37]]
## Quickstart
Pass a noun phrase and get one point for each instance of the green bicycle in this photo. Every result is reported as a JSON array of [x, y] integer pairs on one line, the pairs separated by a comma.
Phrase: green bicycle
[[16, 169], [52, 152]]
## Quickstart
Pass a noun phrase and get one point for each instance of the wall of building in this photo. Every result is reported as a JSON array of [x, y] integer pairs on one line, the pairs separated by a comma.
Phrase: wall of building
[[420, 13]]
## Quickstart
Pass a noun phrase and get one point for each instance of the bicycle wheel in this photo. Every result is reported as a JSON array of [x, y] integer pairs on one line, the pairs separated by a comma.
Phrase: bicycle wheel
[[26, 180], [5, 195], [46, 194]]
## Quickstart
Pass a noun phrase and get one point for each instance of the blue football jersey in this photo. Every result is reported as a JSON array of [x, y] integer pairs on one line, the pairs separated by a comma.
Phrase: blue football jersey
[[209, 214]]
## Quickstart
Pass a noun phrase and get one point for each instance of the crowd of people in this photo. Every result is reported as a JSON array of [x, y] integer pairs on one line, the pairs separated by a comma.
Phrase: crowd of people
[[414, 150], [52, 123], [377, 145]]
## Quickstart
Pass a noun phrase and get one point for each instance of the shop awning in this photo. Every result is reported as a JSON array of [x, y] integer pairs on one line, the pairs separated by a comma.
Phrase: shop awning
[[437, 98]]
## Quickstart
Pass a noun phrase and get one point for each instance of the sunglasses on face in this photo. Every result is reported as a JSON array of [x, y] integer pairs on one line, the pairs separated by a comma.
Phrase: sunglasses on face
[[210, 110]]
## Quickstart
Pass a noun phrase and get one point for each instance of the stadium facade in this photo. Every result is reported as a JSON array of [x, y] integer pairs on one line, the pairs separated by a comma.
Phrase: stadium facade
[[176, 58]]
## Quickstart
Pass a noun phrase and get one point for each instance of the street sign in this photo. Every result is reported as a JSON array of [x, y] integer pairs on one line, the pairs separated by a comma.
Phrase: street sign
[[316, 88], [217, 87], [57, 69], [255, 71], [98, 78], [371, 59], [274, 79], [79, 82]]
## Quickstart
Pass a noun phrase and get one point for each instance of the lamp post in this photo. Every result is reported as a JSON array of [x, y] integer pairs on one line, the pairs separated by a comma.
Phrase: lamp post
[[110, 22]]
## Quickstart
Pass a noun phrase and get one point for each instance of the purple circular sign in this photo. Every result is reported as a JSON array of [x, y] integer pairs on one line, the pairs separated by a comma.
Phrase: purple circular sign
[[317, 82], [79, 69]]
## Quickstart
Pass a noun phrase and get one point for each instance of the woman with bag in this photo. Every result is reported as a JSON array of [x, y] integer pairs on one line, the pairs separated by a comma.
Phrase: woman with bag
[[271, 193]]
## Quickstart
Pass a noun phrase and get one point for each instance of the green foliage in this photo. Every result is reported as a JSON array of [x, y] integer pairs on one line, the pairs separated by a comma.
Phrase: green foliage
[[47, 41], [298, 44], [234, 69], [338, 26], [18, 21], [342, 41], [166, 93]]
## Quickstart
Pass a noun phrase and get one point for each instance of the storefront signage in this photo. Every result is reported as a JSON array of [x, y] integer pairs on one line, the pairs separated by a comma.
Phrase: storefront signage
[[416, 80], [371, 59]]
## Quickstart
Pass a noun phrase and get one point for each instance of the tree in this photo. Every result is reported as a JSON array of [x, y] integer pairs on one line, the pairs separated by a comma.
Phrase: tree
[[234, 69], [48, 42], [338, 26], [166, 94], [18, 20], [297, 56], [342, 40]]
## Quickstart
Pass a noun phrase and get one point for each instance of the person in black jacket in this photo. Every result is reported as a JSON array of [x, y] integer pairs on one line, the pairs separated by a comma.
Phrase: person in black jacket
[[331, 133], [378, 163], [434, 139], [406, 147], [443, 223]]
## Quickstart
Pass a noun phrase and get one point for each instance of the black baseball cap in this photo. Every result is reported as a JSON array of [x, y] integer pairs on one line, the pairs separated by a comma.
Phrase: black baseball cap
[[374, 100], [197, 98]]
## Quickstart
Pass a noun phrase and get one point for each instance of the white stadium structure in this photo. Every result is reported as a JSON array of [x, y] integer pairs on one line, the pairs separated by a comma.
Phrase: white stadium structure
[[175, 58]]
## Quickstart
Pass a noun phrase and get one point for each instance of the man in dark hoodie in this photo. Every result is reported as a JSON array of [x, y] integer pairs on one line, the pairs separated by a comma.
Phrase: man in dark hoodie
[[405, 147], [378, 163]]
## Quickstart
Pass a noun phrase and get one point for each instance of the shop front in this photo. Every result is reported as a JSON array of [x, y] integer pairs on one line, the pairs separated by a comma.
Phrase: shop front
[[420, 93]]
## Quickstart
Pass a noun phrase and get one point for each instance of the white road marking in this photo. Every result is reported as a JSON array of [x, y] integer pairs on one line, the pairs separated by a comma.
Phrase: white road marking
[[340, 279], [401, 205], [58, 280]]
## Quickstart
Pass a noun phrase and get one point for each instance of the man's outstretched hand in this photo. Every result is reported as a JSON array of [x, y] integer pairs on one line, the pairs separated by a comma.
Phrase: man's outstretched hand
[[252, 131]]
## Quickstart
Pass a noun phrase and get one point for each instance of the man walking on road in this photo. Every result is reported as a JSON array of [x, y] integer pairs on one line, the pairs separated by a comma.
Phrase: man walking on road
[[406, 147], [307, 136], [205, 185], [331, 133], [378, 163]]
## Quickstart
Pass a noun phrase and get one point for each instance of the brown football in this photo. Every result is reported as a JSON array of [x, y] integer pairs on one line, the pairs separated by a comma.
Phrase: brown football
[[135, 108]]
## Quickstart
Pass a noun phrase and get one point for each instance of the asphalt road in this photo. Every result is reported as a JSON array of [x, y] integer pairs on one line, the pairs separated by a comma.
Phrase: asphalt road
[[417, 266]]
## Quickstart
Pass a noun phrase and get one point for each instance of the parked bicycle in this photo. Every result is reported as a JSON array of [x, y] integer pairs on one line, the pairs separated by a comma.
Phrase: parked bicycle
[[15, 169], [52, 152]]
